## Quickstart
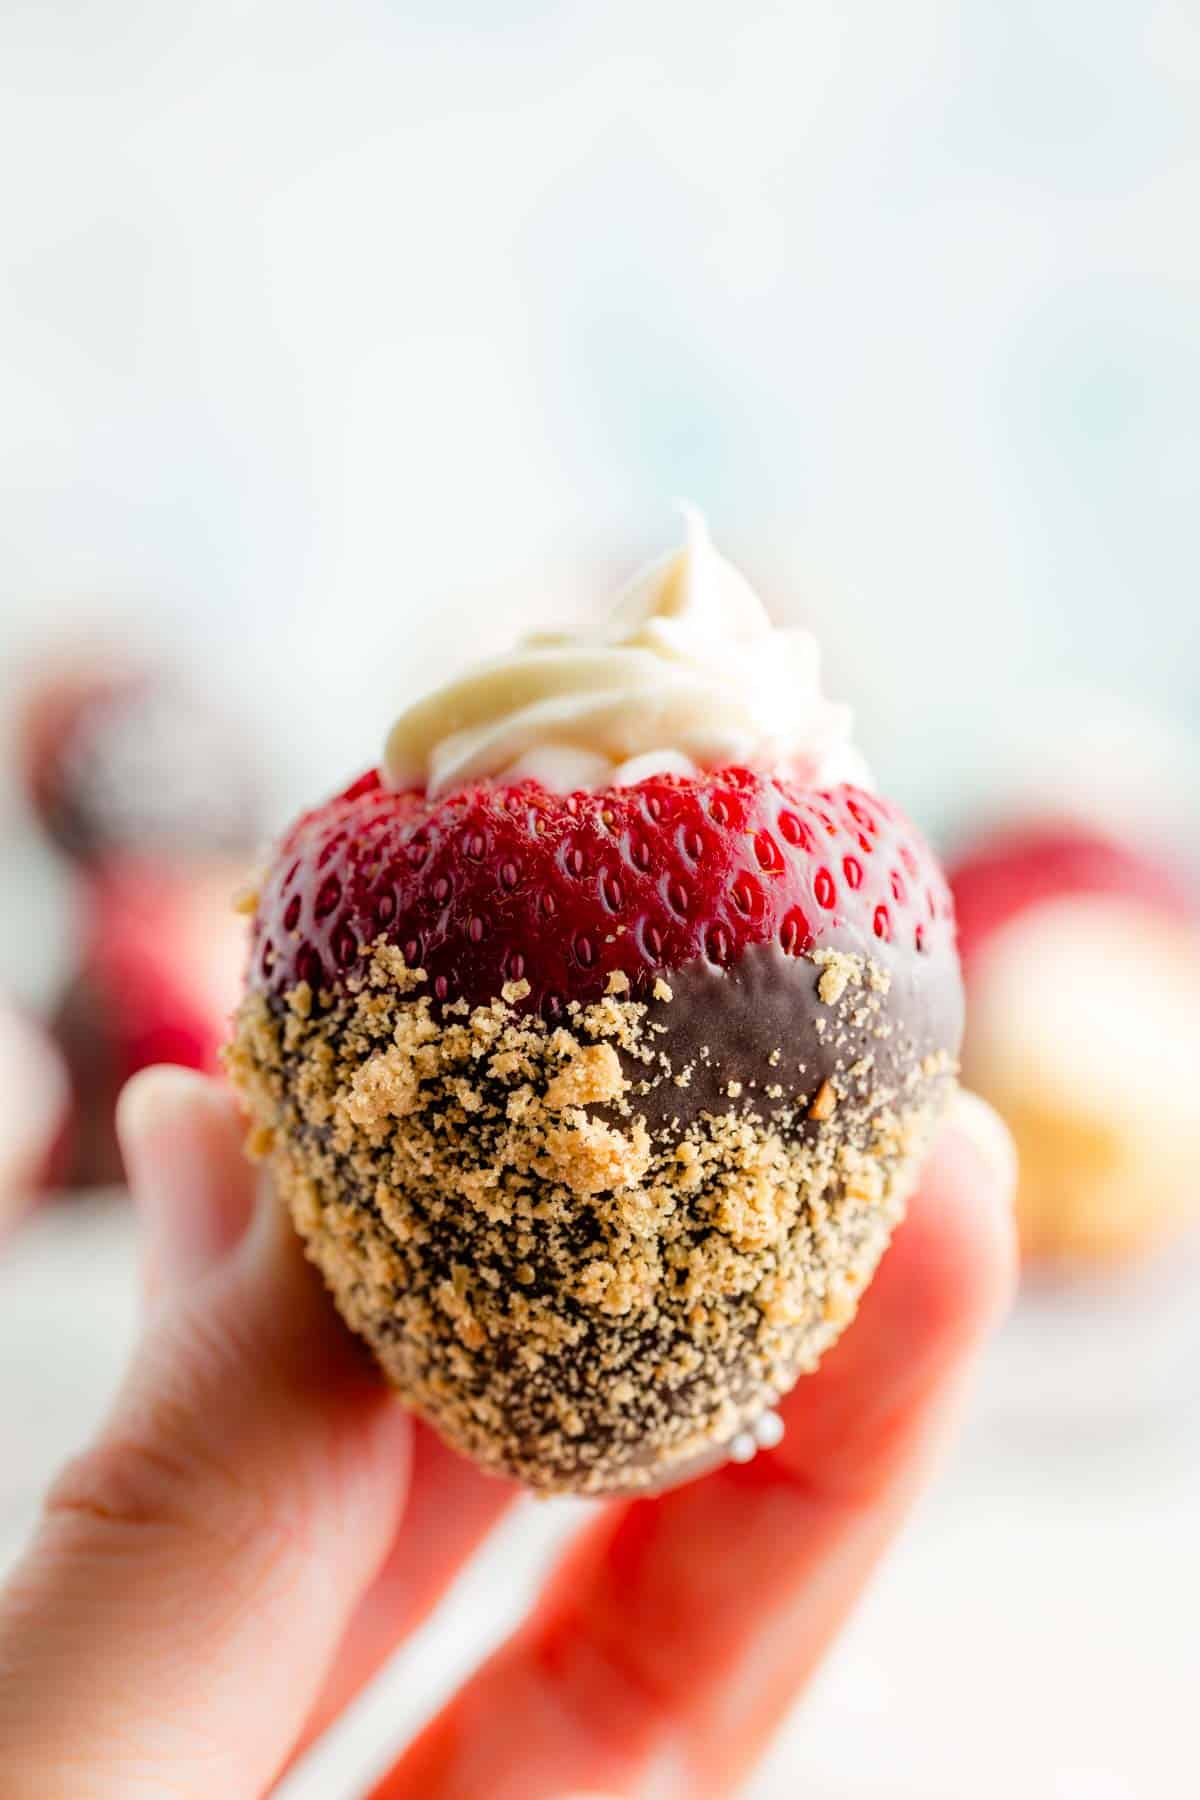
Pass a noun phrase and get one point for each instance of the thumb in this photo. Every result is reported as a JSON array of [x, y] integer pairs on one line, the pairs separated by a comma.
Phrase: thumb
[[195, 1569]]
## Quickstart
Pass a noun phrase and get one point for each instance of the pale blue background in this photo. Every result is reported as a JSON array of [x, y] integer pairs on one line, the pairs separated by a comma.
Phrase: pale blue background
[[362, 332]]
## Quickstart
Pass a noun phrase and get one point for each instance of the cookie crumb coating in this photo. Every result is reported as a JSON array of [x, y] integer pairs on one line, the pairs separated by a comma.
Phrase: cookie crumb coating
[[581, 1279]]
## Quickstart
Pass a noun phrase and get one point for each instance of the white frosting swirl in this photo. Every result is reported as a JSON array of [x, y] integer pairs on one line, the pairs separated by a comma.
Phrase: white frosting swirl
[[686, 674]]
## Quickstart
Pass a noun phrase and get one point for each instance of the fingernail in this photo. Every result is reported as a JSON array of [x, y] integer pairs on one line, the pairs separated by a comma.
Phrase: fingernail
[[987, 1134], [166, 1121]]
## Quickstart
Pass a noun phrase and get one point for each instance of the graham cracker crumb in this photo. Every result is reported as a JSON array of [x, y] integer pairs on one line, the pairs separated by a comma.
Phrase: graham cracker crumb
[[840, 969], [825, 1102], [300, 999], [591, 1073], [570, 1296]]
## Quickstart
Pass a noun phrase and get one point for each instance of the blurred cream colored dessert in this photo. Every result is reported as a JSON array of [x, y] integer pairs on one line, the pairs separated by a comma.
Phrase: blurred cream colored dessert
[[1081, 958]]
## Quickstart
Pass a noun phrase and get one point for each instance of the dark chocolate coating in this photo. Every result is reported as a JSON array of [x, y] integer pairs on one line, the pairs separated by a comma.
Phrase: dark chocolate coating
[[768, 1003]]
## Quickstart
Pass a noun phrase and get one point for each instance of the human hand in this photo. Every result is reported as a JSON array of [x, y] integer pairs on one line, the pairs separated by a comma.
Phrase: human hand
[[260, 1523]]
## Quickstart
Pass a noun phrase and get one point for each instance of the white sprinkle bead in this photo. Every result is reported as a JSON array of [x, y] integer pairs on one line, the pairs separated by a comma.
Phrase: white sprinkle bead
[[768, 1431], [763, 1434]]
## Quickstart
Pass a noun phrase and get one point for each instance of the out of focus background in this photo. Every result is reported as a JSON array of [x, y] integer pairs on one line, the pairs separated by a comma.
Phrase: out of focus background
[[338, 338]]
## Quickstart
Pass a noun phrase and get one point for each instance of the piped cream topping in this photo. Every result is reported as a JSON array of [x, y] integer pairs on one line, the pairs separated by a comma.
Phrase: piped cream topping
[[686, 674]]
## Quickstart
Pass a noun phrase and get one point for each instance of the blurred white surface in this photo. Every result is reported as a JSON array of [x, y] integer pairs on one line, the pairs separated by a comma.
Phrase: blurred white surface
[[1034, 1632], [359, 332]]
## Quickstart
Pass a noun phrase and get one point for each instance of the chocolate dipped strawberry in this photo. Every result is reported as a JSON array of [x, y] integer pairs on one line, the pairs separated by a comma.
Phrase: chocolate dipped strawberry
[[594, 1041]]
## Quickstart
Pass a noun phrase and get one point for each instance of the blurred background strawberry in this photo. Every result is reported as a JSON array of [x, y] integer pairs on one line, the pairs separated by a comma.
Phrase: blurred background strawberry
[[149, 795]]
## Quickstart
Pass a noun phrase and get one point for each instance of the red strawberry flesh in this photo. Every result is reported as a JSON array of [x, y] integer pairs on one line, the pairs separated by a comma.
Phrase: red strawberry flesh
[[493, 884]]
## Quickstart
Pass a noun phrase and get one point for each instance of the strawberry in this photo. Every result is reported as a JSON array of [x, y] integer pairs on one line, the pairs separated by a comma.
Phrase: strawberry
[[157, 980], [1029, 865], [602, 1165], [163, 953], [491, 884]]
